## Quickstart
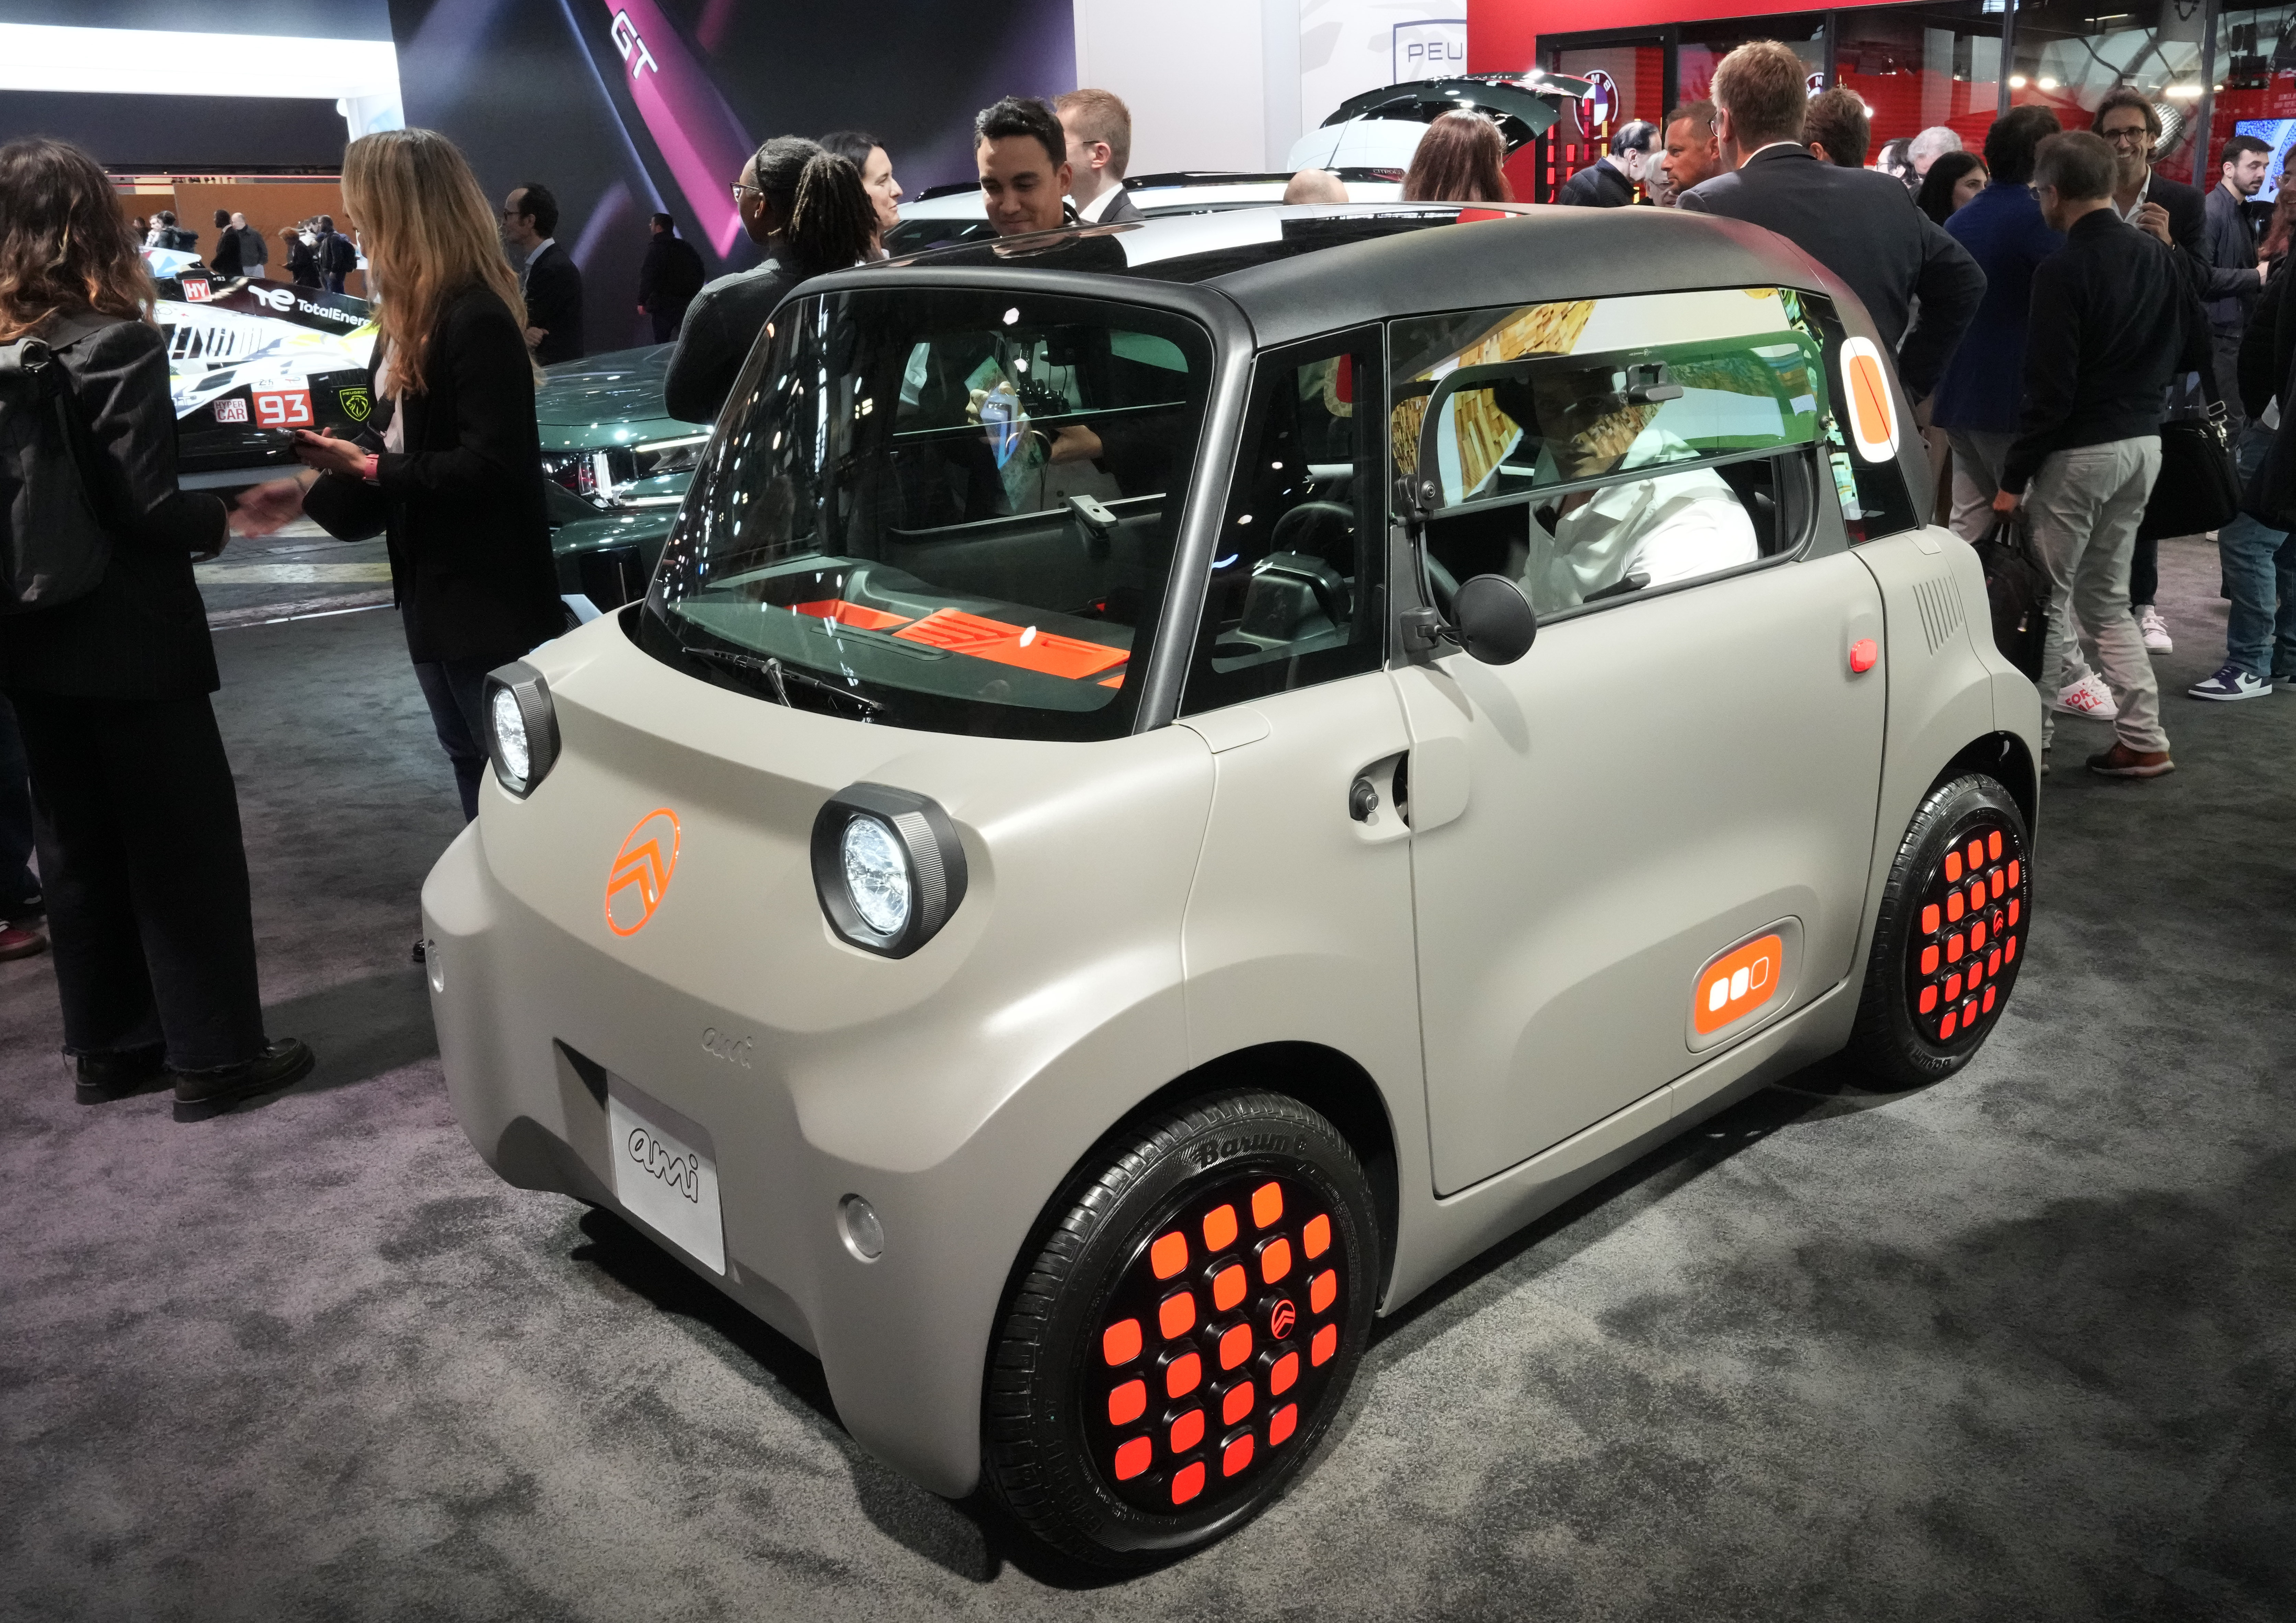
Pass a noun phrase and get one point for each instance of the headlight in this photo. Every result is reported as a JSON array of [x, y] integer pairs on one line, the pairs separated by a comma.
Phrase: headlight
[[522, 727], [876, 874], [657, 458], [887, 867]]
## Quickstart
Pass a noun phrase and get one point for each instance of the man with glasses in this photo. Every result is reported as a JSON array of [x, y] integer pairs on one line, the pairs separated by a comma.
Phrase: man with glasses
[[551, 281], [2174, 213], [724, 320]]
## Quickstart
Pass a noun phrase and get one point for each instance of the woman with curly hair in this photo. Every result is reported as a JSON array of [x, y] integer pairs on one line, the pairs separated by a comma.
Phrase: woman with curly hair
[[135, 811]]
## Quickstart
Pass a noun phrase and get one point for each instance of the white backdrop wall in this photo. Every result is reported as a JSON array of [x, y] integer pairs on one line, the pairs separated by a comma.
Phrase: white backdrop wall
[[1232, 84]]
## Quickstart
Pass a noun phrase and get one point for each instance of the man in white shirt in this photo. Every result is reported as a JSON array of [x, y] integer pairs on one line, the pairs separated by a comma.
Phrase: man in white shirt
[[1099, 129]]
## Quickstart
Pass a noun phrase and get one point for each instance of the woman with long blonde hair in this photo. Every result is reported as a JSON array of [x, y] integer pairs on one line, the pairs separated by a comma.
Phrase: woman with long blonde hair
[[134, 812], [455, 475]]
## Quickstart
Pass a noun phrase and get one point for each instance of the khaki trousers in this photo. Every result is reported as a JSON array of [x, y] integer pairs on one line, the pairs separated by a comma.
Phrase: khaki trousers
[[2086, 505]]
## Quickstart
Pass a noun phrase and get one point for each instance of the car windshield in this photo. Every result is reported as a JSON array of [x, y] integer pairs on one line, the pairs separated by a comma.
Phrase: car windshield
[[945, 508]]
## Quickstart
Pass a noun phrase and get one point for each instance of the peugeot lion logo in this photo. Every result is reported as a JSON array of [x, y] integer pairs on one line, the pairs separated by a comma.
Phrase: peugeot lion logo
[[355, 404], [641, 873]]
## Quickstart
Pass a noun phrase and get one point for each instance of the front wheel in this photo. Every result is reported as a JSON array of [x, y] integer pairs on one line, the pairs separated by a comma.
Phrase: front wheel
[[1950, 936], [1184, 1331]]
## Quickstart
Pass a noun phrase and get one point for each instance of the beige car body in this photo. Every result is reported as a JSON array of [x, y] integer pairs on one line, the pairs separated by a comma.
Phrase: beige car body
[[1492, 997]]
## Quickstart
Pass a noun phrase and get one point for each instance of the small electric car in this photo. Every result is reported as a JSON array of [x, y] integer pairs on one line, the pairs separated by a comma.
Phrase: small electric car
[[1176, 781]]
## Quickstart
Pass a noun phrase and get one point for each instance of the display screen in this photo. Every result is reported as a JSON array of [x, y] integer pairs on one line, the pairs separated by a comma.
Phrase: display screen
[[626, 107], [2279, 135]]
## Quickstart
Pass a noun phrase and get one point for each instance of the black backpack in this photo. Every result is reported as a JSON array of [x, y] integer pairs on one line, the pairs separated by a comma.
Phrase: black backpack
[[54, 545], [2019, 591]]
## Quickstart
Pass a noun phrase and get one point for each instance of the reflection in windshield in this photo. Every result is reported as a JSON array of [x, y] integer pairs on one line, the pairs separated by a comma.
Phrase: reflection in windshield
[[957, 508]]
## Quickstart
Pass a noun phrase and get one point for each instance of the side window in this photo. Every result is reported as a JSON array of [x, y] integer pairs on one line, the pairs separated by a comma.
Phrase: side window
[[1592, 449], [1296, 588]]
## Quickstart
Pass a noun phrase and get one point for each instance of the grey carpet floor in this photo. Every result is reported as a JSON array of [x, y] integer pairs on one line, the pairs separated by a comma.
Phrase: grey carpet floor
[[2015, 1346]]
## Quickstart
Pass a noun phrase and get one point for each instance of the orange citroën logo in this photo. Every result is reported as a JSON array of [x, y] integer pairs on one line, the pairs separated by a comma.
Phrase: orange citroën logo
[[641, 873]]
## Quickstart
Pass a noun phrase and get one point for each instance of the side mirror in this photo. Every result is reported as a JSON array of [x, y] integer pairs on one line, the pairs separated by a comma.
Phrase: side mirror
[[1493, 620]]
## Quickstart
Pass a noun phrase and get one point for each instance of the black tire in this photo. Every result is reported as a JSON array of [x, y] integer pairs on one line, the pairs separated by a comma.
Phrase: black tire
[[1921, 1017], [1082, 1415]]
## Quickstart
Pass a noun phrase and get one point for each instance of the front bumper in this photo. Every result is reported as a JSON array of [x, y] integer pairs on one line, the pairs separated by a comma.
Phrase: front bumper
[[953, 1090]]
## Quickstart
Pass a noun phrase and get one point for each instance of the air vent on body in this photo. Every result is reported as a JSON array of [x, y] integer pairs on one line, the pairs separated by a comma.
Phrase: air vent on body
[[1939, 602]]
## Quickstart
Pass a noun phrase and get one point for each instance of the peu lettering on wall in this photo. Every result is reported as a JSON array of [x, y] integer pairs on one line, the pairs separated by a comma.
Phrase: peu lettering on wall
[[1429, 49]]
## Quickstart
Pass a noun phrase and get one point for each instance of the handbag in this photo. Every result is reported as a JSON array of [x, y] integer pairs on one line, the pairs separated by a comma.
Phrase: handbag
[[55, 546], [2018, 589], [2199, 487]]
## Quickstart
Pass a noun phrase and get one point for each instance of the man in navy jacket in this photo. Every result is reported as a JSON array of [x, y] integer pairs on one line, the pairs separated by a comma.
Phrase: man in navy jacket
[[1977, 398]]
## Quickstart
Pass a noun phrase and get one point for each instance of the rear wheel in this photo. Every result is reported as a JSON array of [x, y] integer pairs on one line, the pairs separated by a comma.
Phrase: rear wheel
[[1183, 1335], [1950, 936]]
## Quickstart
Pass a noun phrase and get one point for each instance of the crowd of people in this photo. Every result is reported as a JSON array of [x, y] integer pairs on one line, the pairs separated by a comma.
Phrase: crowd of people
[[2051, 300], [2040, 298]]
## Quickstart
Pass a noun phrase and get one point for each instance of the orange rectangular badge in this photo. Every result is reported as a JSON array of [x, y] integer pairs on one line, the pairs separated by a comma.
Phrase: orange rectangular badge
[[1030, 649], [1736, 983], [858, 615]]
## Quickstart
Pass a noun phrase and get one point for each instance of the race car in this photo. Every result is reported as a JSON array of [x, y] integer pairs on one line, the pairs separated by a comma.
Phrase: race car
[[1177, 780], [250, 360]]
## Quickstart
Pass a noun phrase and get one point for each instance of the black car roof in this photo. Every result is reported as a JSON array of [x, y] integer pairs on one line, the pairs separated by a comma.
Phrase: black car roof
[[1296, 271]]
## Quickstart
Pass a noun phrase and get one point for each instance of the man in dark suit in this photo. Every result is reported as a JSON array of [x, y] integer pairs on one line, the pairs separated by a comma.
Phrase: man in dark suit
[[230, 248], [254, 252], [551, 281], [2168, 209], [669, 278], [2175, 213], [1859, 225], [337, 257], [1609, 181], [1099, 127]]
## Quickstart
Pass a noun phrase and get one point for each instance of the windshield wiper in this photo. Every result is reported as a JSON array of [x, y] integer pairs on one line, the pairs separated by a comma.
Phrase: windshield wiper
[[780, 678]]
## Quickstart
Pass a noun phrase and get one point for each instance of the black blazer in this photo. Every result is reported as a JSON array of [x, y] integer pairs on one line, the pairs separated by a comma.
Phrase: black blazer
[[1120, 208], [470, 536], [554, 302], [1600, 185], [230, 251], [2188, 225], [142, 634], [1862, 226]]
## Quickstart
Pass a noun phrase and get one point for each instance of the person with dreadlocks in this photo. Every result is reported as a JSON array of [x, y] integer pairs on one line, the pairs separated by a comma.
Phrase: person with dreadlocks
[[808, 209]]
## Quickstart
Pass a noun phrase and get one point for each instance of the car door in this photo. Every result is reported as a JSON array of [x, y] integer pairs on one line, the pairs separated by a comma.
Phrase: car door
[[1650, 836], [1298, 925]]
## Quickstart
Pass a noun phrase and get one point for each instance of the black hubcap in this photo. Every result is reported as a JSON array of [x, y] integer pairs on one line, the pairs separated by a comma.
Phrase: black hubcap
[[1216, 1344], [1967, 929]]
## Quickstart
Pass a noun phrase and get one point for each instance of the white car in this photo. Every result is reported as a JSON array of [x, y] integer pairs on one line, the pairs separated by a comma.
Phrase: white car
[[954, 214]]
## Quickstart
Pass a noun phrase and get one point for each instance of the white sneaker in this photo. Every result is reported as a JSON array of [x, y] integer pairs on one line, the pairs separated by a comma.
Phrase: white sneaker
[[2089, 697], [2155, 630]]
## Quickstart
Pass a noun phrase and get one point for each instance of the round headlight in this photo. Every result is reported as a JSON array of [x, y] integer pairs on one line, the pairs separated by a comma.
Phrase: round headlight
[[876, 874], [510, 735]]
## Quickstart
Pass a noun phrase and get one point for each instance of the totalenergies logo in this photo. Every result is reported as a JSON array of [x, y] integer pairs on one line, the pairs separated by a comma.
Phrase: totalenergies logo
[[1738, 983], [640, 876]]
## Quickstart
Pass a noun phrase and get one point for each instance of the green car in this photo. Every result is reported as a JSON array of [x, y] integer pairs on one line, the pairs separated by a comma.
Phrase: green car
[[617, 466]]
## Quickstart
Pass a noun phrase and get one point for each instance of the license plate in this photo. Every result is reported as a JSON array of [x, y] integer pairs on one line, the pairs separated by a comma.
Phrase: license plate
[[666, 1173]]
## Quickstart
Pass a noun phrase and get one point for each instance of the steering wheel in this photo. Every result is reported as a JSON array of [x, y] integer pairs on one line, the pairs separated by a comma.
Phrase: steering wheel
[[1321, 530]]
